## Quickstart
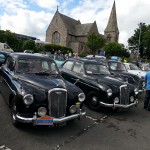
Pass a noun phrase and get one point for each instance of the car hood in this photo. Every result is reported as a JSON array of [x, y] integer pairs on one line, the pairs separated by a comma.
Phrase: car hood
[[110, 80], [140, 73], [43, 81]]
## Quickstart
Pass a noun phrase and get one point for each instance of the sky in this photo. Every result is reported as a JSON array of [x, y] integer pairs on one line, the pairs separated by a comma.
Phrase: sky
[[32, 17]]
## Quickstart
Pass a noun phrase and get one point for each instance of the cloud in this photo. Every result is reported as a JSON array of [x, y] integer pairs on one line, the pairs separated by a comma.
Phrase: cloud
[[48, 4], [19, 17]]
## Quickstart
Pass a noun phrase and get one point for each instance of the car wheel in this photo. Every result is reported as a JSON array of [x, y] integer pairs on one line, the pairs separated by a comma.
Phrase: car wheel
[[93, 101], [13, 113]]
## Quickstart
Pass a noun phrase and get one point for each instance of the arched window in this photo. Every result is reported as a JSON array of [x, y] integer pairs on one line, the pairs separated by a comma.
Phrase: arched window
[[56, 38], [108, 38]]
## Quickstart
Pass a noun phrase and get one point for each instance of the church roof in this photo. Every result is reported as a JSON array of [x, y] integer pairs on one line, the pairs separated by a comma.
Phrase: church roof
[[83, 29], [70, 23], [75, 27], [112, 22]]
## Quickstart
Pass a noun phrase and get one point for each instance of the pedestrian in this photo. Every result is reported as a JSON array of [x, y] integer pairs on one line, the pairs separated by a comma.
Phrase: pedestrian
[[147, 95]]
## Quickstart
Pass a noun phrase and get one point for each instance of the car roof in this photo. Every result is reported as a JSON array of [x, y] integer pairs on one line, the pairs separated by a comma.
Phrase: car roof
[[86, 60], [29, 55]]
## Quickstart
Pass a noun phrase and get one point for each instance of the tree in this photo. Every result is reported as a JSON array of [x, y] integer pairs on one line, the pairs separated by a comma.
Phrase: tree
[[95, 42], [29, 45], [115, 49], [140, 40]]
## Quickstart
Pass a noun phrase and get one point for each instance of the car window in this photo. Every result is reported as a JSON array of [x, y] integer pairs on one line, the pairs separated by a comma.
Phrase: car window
[[28, 65], [133, 67], [2, 57], [78, 67], [117, 66], [68, 65], [96, 69]]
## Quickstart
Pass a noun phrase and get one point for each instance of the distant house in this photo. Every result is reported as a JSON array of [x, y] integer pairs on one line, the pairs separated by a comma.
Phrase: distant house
[[69, 32]]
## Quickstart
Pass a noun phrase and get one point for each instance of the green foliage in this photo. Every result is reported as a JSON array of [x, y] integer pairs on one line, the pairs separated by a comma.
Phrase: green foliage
[[29, 45], [140, 40], [95, 42], [53, 47], [115, 49]]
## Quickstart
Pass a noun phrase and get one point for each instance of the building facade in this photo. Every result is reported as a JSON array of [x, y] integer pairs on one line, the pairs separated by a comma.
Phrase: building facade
[[69, 32]]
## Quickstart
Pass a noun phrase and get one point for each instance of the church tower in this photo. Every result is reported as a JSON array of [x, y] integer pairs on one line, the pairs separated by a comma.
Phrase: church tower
[[111, 32]]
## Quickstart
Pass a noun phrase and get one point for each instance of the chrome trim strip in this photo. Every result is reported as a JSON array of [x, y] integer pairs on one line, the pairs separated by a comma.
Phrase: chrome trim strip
[[10, 87], [119, 105], [55, 120]]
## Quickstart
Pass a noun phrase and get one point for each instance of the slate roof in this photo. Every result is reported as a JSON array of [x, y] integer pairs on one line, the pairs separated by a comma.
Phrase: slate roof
[[75, 27]]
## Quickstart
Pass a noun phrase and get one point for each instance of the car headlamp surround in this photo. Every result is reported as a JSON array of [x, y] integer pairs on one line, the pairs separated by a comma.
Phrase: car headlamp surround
[[28, 99], [136, 91], [81, 97], [116, 100], [131, 99], [109, 92], [42, 111], [73, 109]]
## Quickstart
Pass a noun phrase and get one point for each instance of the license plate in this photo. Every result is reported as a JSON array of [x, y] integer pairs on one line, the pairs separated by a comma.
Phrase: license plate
[[44, 120]]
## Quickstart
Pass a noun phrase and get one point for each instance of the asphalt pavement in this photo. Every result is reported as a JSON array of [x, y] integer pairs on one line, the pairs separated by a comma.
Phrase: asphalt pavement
[[103, 130]]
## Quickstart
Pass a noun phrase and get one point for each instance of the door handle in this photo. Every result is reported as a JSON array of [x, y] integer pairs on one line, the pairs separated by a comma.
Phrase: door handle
[[77, 80]]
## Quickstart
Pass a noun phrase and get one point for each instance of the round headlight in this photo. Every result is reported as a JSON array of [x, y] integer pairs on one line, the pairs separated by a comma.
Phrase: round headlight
[[81, 97], [42, 111], [28, 99], [136, 91], [116, 100], [73, 109], [109, 92], [131, 98]]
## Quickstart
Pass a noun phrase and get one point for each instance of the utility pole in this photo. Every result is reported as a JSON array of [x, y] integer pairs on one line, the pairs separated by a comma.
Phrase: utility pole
[[140, 26]]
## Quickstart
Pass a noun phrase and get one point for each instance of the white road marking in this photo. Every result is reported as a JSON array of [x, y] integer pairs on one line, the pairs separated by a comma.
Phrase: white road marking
[[3, 147]]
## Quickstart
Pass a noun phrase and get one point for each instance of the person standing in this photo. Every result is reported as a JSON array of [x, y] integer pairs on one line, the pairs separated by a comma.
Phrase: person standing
[[147, 96]]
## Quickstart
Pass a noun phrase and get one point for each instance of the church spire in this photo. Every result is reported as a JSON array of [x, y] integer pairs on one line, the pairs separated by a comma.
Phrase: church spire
[[112, 26]]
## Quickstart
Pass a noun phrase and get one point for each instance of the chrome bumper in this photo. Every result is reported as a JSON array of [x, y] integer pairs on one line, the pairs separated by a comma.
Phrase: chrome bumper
[[119, 105], [55, 120]]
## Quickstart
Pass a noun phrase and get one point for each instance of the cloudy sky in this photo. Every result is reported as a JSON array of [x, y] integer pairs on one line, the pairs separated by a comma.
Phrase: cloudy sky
[[32, 17]]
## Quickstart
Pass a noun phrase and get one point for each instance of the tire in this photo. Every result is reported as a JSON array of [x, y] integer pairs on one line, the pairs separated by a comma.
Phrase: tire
[[13, 113], [93, 101]]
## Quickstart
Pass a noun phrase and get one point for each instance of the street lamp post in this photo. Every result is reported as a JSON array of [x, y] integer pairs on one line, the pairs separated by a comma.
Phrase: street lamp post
[[140, 25]]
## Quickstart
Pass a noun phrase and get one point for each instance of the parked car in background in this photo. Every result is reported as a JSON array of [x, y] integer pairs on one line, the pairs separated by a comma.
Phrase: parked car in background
[[36, 92], [99, 86], [132, 68], [118, 69], [59, 59], [3, 56], [5, 47]]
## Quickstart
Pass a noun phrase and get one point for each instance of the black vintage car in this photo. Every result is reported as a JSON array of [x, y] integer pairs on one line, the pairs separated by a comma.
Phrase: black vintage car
[[99, 86], [118, 69], [36, 92]]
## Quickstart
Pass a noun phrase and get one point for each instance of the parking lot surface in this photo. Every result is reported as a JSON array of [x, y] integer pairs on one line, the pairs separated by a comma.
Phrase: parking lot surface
[[102, 130]]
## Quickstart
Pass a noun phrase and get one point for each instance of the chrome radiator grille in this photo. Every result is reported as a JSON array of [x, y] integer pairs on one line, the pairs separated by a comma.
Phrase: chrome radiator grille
[[57, 102], [124, 95]]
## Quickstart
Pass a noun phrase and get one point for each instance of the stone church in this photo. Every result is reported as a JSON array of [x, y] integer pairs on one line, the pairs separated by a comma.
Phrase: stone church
[[69, 32]]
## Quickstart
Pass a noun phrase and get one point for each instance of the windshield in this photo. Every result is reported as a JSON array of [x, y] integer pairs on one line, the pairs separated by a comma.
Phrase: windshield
[[117, 66], [57, 57], [134, 67], [28, 65], [96, 69]]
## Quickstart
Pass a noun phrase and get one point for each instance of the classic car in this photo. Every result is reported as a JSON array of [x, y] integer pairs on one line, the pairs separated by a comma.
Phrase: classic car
[[132, 68], [36, 92], [118, 69], [99, 86]]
